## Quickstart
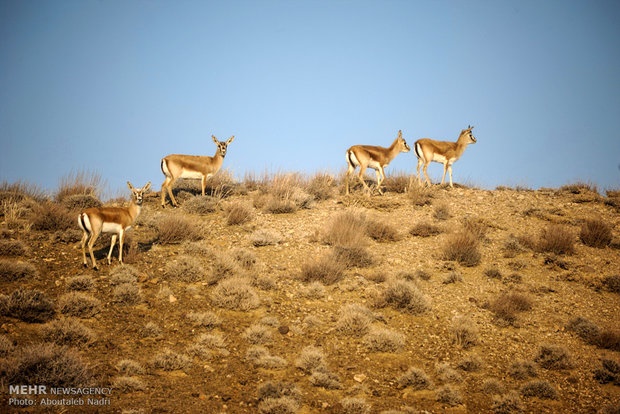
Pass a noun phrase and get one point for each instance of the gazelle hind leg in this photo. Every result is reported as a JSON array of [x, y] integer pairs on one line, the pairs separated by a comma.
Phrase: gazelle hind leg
[[83, 243], [91, 243]]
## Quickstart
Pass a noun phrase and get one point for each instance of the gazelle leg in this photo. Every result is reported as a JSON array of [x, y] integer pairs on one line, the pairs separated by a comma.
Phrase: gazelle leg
[[83, 243], [450, 174], [445, 169], [360, 176], [121, 240], [380, 178], [350, 171], [91, 243], [427, 178], [112, 243], [170, 194]]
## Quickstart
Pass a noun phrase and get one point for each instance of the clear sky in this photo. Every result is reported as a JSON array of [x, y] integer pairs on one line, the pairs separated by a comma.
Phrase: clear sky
[[112, 86]]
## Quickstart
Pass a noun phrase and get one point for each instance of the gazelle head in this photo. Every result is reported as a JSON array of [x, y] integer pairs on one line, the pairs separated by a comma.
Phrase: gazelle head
[[222, 145], [138, 193], [401, 143], [467, 132]]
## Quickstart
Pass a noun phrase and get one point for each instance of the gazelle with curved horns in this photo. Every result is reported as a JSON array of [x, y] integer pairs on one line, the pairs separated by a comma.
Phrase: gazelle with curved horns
[[445, 152], [201, 167], [374, 157], [115, 220]]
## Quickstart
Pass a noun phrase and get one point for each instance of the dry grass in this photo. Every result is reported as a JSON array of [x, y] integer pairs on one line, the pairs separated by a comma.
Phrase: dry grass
[[425, 229], [404, 296], [11, 271], [79, 183], [238, 213], [508, 305], [354, 320], [80, 283], [27, 305], [186, 269], [68, 331], [235, 294], [382, 231], [49, 216], [347, 228], [78, 304], [553, 357], [265, 237], [127, 294], [595, 233], [462, 247], [384, 340], [557, 239], [465, 332], [539, 389], [169, 360], [175, 229], [325, 269], [415, 378]]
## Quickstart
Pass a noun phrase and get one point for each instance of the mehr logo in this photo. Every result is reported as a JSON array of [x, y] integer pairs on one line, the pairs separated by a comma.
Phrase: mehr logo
[[27, 389]]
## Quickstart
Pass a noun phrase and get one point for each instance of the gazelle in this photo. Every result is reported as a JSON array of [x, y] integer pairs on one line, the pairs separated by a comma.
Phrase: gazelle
[[444, 152], [116, 220], [374, 157], [176, 166]]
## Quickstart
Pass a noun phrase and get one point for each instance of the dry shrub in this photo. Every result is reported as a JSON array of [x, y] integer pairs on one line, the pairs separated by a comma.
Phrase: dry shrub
[[462, 247], [585, 329], [354, 405], [381, 232], [80, 283], [553, 357], [278, 397], [442, 212], [449, 395], [595, 233], [453, 277], [185, 269], [609, 373], [27, 305], [265, 237], [609, 339], [238, 213], [353, 256], [67, 331], [150, 330], [80, 202], [354, 320], [281, 405], [127, 294], [470, 363], [78, 183], [346, 229], [325, 379], [492, 386], [204, 319], [123, 274], [46, 364], [476, 226], [464, 331], [420, 195], [311, 359], [326, 269], [384, 340], [493, 273], [235, 294], [612, 283], [224, 266], [447, 374], [425, 230], [507, 404], [127, 384], [512, 247], [12, 248], [506, 306], [201, 205], [405, 296], [322, 186], [49, 216], [79, 304], [169, 360], [314, 290], [11, 271], [244, 257], [557, 239], [285, 194], [539, 389], [174, 229], [397, 182], [258, 334], [415, 378], [261, 357], [521, 370]]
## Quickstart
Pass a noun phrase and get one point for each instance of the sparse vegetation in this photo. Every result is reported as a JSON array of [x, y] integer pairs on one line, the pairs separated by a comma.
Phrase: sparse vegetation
[[557, 239], [595, 233], [326, 307], [462, 247]]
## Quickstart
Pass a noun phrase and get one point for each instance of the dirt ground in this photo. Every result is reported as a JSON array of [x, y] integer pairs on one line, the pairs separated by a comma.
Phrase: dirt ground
[[228, 380]]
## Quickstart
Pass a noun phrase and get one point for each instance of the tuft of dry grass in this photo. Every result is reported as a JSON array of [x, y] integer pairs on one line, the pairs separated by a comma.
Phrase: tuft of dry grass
[[27, 305], [169, 360], [235, 294], [449, 395], [201, 205], [265, 237], [67, 331], [258, 334], [80, 183], [425, 229], [609, 373], [595, 233], [238, 213], [322, 186], [185, 269], [80, 283], [521, 370], [381, 231], [553, 357], [174, 229], [11, 271], [462, 247], [384, 340], [464, 331], [612, 283], [354, 405], [404, 296], [46, 364], [540, 389], [415, 378], [127, 294], [204, 319], [49, 216], [442, 212], [507, 403], [354, 320], [557, 239], [78, 304], [12, 248], [507, 305], [347, 228], [127, 384], [353, 256], [325, 269], [130, 367], [261, 357], [311, 359]]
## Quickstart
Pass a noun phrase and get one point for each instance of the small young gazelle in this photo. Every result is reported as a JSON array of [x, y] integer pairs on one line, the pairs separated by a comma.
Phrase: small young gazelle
[[116, 220]]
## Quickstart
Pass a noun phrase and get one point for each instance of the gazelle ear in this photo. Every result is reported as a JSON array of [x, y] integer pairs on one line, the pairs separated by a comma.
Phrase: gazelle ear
[[231, 139], [146, 187], [129, 185], [214, 139], [400, 133]]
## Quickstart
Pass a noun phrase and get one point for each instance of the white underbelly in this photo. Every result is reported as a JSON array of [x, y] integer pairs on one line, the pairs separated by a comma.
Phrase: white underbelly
[[191, 174], [112, 228], [439, 158], [374, 165]]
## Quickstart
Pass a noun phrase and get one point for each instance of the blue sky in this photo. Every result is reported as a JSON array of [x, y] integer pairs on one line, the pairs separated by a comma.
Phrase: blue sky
[[112, 86]]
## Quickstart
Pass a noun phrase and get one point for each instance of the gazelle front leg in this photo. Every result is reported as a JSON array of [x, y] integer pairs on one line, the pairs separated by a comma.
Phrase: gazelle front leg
[[112, 243], [360, 176]]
